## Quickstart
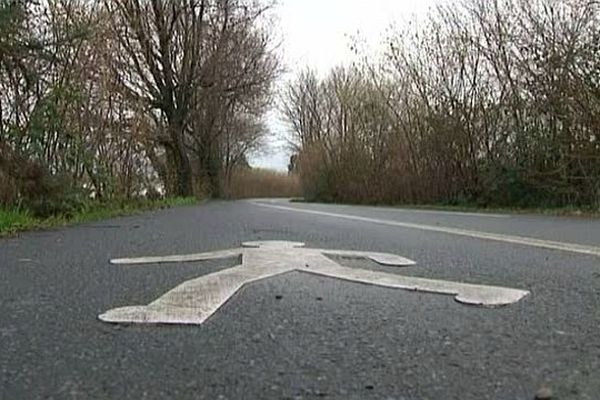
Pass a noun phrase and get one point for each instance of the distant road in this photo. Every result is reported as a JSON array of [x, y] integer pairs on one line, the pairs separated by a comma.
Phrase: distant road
[[304, 336]]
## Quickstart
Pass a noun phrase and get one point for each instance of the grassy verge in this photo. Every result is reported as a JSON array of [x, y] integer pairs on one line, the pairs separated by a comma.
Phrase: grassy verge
[[13, 221], [549, 211]]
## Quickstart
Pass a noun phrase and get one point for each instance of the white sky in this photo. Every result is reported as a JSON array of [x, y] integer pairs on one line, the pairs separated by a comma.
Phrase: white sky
[[316, 34]]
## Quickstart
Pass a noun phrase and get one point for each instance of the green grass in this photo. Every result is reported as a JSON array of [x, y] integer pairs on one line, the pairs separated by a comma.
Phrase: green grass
[[17, 220]]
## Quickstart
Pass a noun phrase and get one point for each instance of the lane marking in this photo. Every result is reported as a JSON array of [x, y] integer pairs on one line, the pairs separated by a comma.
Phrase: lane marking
[[498, 237], [402, 209], [194, 301]]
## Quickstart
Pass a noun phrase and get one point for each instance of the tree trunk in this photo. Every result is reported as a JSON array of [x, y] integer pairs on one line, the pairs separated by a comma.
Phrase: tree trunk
[[183, 186], [212, 169]]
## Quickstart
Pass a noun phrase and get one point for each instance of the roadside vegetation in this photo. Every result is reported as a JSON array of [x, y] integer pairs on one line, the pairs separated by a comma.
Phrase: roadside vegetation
[[110, 106], [16, 220], [260, 183], [485, 103], [565, 211]]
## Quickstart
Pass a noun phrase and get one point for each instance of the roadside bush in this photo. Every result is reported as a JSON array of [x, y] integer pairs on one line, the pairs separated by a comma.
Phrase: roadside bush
[[8, 190], [27, 184], [56, 196], [260, 183], [315, 175], [8, 185]]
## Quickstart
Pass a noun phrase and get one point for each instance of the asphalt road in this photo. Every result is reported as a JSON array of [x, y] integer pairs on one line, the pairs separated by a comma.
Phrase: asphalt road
[[300, 336]]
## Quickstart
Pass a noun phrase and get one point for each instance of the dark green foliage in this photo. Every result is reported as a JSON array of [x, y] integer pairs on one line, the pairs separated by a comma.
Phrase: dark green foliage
[[28, 184], [55, 197]]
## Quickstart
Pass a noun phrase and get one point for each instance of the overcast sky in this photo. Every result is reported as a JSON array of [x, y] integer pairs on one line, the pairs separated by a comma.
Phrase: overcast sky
[[316, 33]]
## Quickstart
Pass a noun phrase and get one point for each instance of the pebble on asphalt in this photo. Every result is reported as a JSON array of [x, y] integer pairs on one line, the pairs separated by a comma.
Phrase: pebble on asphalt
[[544, 393]]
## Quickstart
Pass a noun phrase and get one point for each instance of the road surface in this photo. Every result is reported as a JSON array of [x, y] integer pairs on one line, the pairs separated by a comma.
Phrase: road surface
[[298, 335]]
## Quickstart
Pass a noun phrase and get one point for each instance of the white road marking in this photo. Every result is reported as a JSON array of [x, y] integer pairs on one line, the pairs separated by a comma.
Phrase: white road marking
[[498, 237], [178, 258], [196, 300], [407, 210]]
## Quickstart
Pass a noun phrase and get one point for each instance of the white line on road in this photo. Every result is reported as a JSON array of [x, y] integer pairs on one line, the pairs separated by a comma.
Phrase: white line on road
[[410, 210], [521, 240]]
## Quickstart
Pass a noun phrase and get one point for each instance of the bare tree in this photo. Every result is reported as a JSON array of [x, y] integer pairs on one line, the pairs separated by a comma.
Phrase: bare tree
[[164, 55], [494, 102]]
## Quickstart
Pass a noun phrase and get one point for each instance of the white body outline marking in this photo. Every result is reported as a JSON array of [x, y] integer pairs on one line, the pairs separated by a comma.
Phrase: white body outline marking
[[195, 300]]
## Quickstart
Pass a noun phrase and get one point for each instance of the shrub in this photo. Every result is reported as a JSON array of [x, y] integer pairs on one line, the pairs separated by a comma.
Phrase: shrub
[[257, 183], [27, 184]]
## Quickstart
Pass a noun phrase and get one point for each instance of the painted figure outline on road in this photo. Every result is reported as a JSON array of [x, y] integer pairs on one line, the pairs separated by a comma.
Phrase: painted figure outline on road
[[195, 300]]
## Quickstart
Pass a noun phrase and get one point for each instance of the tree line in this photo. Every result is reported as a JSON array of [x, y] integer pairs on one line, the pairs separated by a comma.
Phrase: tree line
[[491, 102], [124, 98]]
